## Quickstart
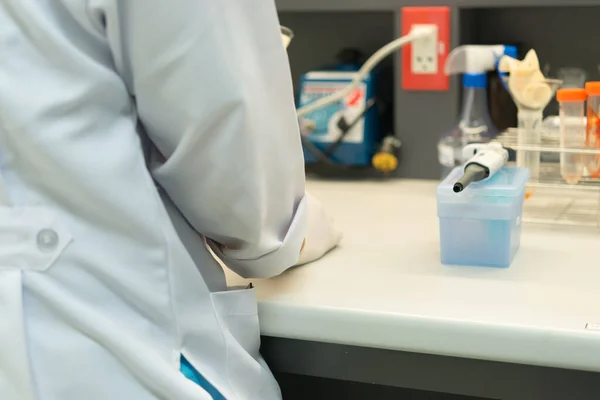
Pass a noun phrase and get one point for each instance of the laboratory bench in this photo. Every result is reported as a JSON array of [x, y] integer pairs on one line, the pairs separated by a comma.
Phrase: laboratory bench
[[381, 309]]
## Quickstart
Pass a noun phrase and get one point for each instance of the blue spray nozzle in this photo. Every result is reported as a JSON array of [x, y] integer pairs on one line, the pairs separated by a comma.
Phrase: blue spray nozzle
[[475, 60]]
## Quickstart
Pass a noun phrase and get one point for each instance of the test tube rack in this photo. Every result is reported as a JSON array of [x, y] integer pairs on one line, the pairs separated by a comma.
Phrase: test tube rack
[[553, 201]]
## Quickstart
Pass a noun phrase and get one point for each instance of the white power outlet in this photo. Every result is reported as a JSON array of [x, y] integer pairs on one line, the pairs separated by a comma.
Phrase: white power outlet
[[425, 53]]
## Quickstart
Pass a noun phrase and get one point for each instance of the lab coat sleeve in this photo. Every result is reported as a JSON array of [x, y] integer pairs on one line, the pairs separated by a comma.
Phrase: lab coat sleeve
[[213, 90]]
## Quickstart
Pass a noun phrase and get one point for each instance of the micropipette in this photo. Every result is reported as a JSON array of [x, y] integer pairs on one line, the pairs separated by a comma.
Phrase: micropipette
[[486, 161]]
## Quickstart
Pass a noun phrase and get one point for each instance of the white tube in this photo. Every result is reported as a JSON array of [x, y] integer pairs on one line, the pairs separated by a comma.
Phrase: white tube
[[367, 67]]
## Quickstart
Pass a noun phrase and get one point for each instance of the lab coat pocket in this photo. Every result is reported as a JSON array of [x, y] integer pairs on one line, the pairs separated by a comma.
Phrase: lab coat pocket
[[31, 238], [247, 372], [237, 312]]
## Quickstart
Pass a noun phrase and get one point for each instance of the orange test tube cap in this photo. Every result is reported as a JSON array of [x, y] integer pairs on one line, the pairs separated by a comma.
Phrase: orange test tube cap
[[568, 95], [592, 88]]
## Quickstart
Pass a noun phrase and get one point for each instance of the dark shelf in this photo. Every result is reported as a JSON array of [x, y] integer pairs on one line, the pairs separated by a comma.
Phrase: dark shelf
[[389, 5]]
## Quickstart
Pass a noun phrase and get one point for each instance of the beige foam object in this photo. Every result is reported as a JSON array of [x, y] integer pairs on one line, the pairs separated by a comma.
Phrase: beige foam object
[[286, 40], [526, 81]]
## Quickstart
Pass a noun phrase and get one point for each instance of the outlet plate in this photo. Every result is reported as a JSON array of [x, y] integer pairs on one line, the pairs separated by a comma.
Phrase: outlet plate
[[423, 60], [424, 57]]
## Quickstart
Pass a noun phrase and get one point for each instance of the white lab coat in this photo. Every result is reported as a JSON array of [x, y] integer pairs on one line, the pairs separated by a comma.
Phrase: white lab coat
[[103, 285]]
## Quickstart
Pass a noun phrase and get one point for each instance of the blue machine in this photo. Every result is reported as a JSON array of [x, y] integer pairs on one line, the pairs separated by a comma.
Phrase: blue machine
[[346, 132]]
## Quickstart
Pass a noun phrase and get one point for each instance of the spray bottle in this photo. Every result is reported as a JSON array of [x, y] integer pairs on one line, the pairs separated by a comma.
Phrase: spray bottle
[[475, 124]]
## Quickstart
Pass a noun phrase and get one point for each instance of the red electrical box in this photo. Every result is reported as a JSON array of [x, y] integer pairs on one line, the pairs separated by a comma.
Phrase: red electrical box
[[426, 73]]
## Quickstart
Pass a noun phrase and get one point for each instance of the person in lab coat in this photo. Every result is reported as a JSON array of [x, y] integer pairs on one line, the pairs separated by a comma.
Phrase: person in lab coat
[[137, 137]]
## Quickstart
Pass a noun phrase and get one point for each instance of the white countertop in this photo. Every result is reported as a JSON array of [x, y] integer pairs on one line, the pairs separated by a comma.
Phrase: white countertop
[[385, 287]]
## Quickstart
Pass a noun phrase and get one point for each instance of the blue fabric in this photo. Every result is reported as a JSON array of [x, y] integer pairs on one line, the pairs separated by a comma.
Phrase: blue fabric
[[190, 372]]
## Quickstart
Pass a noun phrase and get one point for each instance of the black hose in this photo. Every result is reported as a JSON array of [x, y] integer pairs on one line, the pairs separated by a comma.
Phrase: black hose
[[320, 155], [346, 128]]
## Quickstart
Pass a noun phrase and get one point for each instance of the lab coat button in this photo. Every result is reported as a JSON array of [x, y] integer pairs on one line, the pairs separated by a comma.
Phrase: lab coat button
[[47, 240]]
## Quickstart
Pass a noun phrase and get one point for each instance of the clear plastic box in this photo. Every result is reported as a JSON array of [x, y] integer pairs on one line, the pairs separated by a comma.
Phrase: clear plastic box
[[481, 226]]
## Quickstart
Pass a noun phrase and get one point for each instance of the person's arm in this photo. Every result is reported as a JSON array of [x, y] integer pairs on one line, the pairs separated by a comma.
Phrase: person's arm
[[213, 90]]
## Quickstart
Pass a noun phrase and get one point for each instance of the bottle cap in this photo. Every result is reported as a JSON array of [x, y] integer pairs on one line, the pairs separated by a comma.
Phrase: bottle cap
[[571, 95], [475, 81], [592, 88]]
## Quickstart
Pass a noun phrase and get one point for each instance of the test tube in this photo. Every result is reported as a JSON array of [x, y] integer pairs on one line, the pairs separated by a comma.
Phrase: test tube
[[592, 139], [572, 132]]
